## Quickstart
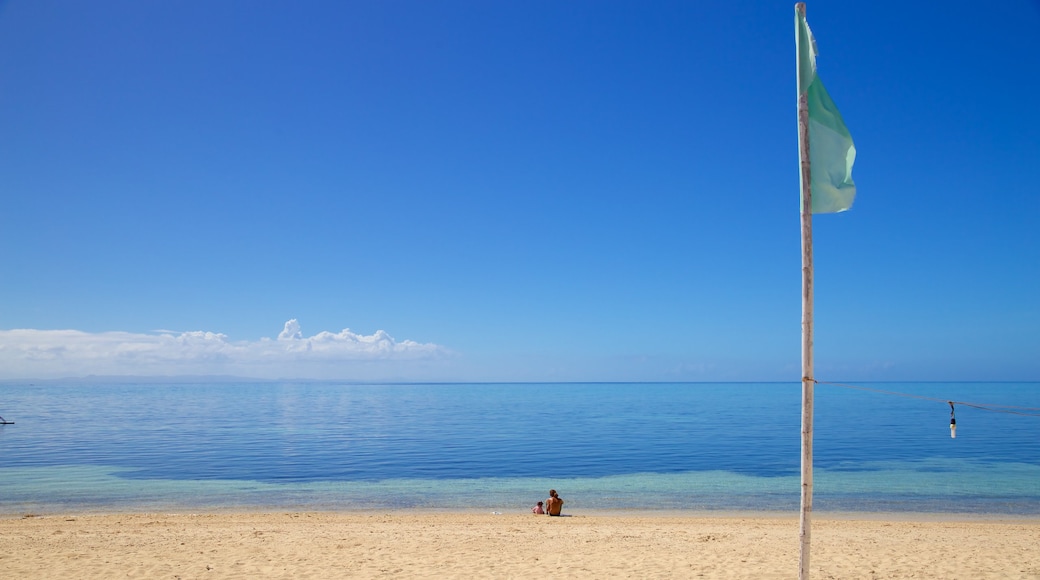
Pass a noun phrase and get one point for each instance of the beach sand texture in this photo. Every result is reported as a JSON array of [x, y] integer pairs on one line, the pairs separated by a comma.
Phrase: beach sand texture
[[476, 545]]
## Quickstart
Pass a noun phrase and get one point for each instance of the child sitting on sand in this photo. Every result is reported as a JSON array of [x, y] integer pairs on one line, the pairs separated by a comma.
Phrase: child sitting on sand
[[538, 509]]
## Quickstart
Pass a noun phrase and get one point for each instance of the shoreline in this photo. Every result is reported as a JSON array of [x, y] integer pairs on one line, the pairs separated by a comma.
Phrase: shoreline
[[285, 544], [722, 514]]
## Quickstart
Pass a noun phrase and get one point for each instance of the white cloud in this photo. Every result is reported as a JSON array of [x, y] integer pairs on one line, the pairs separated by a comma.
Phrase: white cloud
[[27, 353]]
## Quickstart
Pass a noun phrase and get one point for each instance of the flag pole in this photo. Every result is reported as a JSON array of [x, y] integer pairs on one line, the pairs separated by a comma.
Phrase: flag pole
[[805, 517]]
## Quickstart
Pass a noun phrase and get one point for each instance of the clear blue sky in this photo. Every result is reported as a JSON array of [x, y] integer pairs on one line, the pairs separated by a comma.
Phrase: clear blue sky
[[539, 190]]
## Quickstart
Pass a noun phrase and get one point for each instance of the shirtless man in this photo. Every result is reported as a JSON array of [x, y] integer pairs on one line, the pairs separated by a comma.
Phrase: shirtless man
[[554, 504]]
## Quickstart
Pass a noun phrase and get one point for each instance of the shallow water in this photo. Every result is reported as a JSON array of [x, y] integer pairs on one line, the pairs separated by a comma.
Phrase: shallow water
[[730, 446]]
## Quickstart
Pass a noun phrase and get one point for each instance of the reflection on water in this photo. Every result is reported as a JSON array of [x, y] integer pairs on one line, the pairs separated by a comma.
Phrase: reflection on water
[[604, 446]]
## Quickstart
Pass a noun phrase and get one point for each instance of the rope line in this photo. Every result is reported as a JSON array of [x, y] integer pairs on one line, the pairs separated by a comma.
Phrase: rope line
[[1009, 409]]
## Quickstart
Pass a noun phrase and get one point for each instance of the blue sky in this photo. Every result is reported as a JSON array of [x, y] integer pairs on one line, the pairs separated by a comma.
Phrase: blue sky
[[596, 190]]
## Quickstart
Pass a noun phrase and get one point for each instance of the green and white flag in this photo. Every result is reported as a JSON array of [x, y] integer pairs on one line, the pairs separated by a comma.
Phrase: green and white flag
[[831, 152]]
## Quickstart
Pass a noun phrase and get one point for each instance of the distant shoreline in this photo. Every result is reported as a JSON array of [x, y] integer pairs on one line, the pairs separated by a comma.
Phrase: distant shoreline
[[222, 379]]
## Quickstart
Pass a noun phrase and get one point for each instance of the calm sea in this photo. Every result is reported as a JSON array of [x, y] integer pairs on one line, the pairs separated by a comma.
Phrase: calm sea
[[500, 447]]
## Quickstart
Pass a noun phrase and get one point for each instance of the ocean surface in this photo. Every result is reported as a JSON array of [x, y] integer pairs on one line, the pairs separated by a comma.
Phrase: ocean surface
[[501, 447]]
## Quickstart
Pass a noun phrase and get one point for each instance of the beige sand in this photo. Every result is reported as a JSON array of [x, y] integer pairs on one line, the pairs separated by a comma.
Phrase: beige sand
[[477, 545]]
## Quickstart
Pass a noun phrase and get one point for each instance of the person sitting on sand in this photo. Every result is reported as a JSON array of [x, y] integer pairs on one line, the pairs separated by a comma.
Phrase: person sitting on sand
[[538, 509], [554, 504]]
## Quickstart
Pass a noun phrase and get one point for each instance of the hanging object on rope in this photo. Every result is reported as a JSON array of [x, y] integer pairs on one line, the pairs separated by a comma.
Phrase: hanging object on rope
[[953, 422]]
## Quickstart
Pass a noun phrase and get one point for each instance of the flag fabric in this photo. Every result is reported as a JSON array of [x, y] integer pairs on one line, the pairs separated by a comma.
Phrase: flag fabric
[[831, 152]]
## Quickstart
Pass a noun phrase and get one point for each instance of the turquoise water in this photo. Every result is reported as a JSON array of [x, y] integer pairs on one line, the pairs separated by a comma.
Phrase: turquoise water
[[500, 447]]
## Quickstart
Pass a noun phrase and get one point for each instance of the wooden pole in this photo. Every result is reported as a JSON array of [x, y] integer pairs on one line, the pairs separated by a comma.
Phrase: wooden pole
[[805, 518]]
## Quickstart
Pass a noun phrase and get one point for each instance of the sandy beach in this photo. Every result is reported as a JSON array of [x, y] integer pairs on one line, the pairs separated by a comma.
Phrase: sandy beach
[[488, 545]]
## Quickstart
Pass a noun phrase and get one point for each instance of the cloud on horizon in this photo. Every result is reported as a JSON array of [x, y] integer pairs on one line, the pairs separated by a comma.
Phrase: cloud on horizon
[[29, 353]]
